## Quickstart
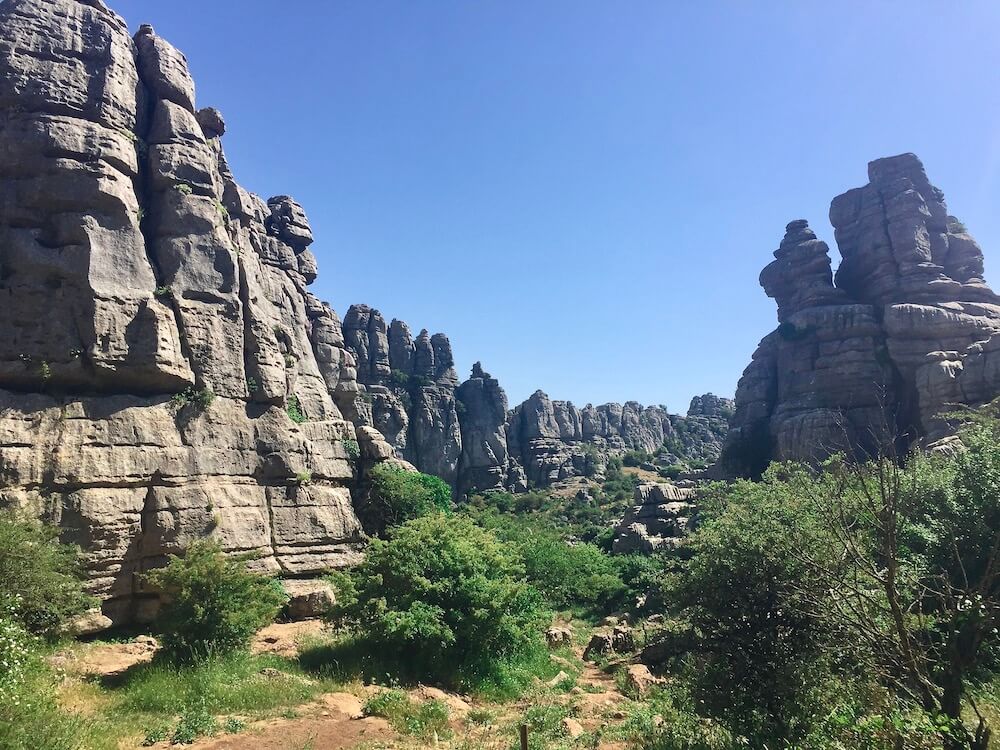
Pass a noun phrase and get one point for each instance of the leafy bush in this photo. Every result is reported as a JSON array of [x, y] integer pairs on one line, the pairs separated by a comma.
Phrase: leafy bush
[[444, 600], [42, 578], [195, 722], [399, 378], [635, 458], [743, 593], [398, 495], [213, 605], [202, 398], [352, 449]]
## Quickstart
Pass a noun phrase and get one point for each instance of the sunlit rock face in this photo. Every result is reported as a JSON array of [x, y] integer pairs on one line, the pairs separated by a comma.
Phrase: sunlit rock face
[[904, 330], [165, 374]]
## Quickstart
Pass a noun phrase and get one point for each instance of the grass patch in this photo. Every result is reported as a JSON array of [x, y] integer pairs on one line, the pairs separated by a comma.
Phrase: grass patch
[[349, 658], [427, 719], [239, 683]]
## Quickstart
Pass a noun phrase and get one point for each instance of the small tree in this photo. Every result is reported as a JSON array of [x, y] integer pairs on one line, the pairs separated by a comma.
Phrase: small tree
[[443, 599], [755, 650], [398, 495], [42, 579], [920, 581], [212, 603]]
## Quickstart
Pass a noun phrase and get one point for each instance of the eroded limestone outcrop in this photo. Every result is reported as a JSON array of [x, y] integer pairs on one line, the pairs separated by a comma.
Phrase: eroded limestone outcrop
[[164, 372], [407, 390], [907, 329], [660, 517], [554, 440]]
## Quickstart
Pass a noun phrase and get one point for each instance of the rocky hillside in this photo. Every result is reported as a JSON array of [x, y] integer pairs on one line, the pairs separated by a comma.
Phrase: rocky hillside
[[906, 330], [165, 372], [467, 435]]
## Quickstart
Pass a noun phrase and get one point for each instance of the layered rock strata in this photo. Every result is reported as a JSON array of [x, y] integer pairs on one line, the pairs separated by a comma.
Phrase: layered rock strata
[[905, 331], [165, 374], [554, 440], [660, 516], [407, 390]]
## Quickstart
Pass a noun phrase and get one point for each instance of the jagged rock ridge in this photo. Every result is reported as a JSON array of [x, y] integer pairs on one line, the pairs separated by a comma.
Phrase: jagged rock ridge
[[905, 330], [164, 372], [466, 434]]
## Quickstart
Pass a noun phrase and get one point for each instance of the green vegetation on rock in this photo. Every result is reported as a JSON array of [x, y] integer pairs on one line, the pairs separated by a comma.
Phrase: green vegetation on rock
[[213, 604]]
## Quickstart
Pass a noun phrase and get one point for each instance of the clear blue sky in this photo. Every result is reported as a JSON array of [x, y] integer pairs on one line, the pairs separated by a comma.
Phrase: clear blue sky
[[581, 194]]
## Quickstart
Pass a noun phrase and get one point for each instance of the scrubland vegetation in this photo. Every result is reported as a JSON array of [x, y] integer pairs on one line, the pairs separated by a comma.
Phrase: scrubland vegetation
[[854, 605]]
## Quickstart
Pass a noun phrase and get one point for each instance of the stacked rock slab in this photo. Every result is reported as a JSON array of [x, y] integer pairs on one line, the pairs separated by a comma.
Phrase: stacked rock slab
[[554, 440], [159, 336], [907, 331], [408, 390], [659, 517], [485, 463]]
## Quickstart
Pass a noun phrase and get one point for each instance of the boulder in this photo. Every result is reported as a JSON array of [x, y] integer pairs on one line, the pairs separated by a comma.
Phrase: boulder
[[308, 598]]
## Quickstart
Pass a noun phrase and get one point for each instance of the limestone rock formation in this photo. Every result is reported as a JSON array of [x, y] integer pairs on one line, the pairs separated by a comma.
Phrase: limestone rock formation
[[659, 517], [164, 372], [408, 390], [553, 440], [907, 329], [485, 463]]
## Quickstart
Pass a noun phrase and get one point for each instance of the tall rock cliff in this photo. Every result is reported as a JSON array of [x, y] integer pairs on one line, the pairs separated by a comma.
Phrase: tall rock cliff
[[164, 372], [905, 330], [407, 390]]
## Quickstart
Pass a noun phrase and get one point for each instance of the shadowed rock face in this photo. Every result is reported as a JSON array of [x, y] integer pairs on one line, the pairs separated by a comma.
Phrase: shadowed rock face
[[907, 329], [158, 330]]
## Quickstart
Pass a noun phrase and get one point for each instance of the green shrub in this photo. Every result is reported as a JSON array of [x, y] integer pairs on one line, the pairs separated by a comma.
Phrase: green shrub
[[352, 449], [760, 651], [42, 578], [294, 409], [443, 600], [213, 605], [635, 458], [425, 719], [195, 722], [202, 398], [15, 656], [671, 472], [570, 575], [398, 495], [399, 378]]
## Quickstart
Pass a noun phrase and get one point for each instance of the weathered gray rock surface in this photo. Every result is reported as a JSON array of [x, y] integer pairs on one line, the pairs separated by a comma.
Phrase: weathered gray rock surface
[[907, 329], [554, 440], [659, 517], [165, 374], [407, 390]]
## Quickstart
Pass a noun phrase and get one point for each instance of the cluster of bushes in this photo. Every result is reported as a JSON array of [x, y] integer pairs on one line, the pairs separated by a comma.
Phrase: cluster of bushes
[[855, 605], [441, 599], [41, 592]]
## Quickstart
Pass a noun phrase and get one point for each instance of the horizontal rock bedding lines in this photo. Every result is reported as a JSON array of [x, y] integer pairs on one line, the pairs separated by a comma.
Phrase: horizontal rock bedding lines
[[165, 374], [903, 332]]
